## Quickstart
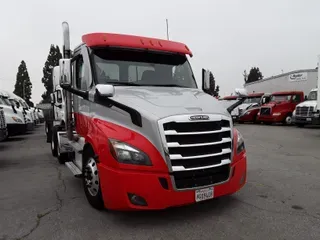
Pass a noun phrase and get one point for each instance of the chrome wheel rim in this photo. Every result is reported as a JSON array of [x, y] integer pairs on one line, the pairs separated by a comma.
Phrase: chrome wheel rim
[[91, 177], [288, 120]]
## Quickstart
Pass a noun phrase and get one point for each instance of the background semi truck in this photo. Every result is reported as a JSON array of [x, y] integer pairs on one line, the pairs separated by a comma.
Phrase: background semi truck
[[306, 112], [137, 130], [15, 117], [280, 108]]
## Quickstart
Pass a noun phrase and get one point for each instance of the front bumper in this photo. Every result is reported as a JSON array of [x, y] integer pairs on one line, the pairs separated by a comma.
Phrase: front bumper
[[270, 118], [306, 120], [30, 126], [3, 134], [16, 129], [116, 184]]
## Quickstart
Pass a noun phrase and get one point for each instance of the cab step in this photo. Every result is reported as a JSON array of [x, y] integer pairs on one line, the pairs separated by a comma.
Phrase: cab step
[[74, 169]]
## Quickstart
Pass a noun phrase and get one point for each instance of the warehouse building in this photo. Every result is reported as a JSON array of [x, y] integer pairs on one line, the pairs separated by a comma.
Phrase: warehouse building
[[300, 80]]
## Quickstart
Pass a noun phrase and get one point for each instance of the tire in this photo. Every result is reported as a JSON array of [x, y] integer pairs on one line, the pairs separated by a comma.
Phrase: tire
[[62, 157], [48, 130], [54, 141], [288, 119], [90, 179]]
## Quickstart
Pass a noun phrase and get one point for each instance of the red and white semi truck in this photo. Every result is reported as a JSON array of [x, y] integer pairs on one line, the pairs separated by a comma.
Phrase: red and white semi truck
[[137, 129]]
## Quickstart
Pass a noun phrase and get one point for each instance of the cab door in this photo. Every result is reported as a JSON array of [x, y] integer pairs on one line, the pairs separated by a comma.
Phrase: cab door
[[82, 82]]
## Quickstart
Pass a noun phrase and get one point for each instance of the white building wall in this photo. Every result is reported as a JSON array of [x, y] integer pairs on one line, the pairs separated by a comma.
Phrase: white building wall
[[301, 80]]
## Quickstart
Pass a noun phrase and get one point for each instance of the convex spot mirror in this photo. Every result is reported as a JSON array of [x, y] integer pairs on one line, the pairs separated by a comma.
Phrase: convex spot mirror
[[105, 90], [65, 72]]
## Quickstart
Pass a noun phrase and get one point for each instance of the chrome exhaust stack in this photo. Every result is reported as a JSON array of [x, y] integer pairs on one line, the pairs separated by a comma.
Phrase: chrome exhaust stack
[[68, 97]]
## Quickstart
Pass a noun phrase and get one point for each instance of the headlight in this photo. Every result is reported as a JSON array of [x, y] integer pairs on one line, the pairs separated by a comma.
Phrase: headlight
[[240, 143], [124, 153], [17, 119]]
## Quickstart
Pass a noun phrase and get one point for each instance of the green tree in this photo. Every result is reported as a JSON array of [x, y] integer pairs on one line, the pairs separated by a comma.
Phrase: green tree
[[216, 91], [254, 75], [23, 86], [52, 61], [212, 84]]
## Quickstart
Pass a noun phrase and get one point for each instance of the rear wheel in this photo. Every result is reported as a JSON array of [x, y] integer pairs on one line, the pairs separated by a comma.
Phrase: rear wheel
[[91, 180]]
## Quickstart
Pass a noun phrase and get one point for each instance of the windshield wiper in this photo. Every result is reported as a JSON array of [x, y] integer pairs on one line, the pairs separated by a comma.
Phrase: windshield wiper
[[164, 85], [123, 83]]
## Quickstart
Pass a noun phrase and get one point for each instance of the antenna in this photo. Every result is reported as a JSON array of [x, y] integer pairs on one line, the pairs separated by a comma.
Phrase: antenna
[[167, 23]]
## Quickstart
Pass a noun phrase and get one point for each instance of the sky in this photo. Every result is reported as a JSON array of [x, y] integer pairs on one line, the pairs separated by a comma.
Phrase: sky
[[225, 36]]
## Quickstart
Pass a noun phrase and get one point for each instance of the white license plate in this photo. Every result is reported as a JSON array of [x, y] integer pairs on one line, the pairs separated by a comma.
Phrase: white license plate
[[309, 119], [204, 194]]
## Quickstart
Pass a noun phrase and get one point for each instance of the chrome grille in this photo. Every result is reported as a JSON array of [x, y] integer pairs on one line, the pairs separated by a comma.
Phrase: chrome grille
[[304, 111], [2, 119], [199, 152], [265, 111]]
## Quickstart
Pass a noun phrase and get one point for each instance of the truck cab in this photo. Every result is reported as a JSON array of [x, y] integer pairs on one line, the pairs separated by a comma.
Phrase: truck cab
[[248, 112], [3, 125], [138, 131], [14, 116], [21, 105], [280, 107], [306, 113]]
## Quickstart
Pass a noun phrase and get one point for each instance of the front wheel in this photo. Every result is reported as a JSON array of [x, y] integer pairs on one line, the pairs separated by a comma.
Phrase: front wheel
[[288, 119], [54, 141], [91, 180]]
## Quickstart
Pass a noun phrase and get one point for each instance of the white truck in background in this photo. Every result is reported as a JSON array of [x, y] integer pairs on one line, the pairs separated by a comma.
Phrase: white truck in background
[[14, 117], [3, 126], [21, 104], [308, 112]]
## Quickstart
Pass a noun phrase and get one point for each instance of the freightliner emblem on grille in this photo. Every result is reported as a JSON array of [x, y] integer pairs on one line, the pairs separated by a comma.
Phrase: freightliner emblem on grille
[[198, 117]]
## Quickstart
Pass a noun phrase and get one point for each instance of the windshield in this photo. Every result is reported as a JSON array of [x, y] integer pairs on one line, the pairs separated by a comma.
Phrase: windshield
[[252, 100], [127, 67], [280, 98], [6, 101], [313, 95], [24, 104], [227, 102]]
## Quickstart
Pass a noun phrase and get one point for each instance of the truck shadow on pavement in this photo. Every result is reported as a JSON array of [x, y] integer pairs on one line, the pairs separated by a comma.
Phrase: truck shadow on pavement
[[14, 139], [202, 210]]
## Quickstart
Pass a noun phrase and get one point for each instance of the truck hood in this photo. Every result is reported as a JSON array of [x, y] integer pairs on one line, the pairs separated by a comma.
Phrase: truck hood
[[310, 103], [166, 101], [273, 104]]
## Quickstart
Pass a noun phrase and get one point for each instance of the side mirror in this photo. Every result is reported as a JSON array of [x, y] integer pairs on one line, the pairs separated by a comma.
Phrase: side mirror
[[52, 98], [205, 80], [65, 72], [105, 90], [240, 92]]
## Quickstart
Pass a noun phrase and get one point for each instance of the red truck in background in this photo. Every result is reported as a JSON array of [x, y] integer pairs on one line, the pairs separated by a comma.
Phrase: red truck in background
[[280, 107], [251, 106]]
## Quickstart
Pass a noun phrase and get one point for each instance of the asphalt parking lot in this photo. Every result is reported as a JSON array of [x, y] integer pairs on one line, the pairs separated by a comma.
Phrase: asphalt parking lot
[[40, 199]]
